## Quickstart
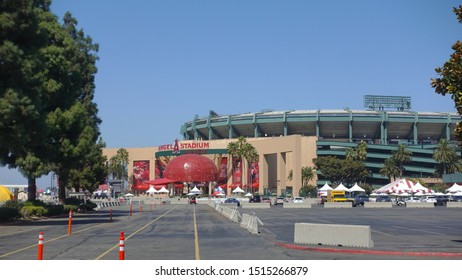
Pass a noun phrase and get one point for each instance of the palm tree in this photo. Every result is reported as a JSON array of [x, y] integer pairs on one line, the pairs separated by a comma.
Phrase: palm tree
[[308, 174], [401, 156], [446, 157], [390, 169], [241, 149], [359, 153]]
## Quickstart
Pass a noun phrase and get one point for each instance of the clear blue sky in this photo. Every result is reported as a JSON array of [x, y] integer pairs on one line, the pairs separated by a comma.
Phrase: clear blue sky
[[163, 62]]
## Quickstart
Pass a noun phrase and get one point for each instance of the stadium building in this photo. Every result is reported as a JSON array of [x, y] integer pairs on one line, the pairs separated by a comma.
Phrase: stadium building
[[286, 141]]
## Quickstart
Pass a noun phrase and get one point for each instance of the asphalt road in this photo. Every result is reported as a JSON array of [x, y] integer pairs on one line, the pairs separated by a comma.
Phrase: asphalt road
[[198, 232]]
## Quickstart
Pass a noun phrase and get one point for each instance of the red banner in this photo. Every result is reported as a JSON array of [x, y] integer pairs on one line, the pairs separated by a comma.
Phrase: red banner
[[140, 172]]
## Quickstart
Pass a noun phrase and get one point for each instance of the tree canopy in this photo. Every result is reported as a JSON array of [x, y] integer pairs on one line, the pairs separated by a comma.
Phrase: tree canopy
[[48, 118], [341, 170], [450, 75]]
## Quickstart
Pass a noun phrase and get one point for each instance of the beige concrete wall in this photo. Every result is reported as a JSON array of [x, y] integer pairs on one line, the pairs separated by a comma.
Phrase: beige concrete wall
[[287, 153]]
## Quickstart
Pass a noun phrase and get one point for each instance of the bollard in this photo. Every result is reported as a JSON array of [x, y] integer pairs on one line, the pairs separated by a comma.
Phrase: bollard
[[69, 225], [122, 246], [110, 214], [131, 209], [40, 247], [141, 209]]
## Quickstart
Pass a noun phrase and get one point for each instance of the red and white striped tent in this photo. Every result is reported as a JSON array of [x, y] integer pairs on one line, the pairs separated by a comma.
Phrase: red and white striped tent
[[398, 186]]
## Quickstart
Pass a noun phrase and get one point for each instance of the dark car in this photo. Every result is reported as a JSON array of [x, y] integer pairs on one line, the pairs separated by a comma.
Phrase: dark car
[[255, 198], [456, 198], [192, 200], [233, 200], [383, 198], [266, 199], [441, 200], [360, 199]]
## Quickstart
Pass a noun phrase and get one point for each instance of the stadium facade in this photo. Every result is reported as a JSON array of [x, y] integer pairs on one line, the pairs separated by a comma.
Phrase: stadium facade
[[289, 140]]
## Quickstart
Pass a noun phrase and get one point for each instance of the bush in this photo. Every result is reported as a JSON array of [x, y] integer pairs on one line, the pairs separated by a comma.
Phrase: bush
[[32, 210], [55, 210], [8, 214], [68, 207], [72, 201], [16, 204]]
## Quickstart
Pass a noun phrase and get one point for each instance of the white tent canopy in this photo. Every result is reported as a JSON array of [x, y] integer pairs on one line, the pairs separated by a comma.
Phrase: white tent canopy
[[341, 187], [195, 190], [455, 188], [419, 188], [151, 190], [163, 190], [356, 188], [238, 190], [326, 187]]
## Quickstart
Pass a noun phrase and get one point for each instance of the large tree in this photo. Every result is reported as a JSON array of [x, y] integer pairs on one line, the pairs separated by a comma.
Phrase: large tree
[[341, 170], [401, 156], [390, 169], [118, 165], [447, 159], [25, 28], [48, 118], [450, 76], [358, 153]]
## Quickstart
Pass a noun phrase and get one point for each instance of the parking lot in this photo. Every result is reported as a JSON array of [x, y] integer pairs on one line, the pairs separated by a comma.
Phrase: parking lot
[[185, 232]]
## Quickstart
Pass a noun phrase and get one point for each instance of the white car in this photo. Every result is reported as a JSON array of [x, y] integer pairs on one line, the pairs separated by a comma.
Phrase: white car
[[430, 199], [297, 200], [412, 200]]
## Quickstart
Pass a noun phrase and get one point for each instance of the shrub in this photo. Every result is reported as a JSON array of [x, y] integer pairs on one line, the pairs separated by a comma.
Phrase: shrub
[[16, 204], [32, 210], [55, 210], [68, 207], [8, 214], [72, 201]]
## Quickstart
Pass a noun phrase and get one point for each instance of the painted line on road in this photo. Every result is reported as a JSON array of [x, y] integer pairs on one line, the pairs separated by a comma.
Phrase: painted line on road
[[22, 231], [369, 252], [196, 237], [137, 231], [420, 230], [48, 241]]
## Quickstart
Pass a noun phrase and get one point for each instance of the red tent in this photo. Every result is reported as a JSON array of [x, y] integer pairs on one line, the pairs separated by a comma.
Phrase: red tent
[[160, 181]]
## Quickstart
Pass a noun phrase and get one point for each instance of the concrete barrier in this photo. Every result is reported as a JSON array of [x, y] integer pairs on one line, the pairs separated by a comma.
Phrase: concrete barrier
[[255, 205], [454, 204], [333, 234], [251, 222], [369, 204], [245, 220], [296, 205], [420, 205], [338, 205]]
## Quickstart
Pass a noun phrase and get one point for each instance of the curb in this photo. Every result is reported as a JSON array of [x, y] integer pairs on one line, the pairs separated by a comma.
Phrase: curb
[[370, 252]]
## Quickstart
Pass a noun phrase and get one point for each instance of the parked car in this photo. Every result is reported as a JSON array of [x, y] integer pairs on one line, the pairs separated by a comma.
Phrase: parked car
[[266, 199], [430, 199], [255, 198], [441, 200], [382, 198], [279, 200], [456, 198], [360, 199], [192, 200], [297, 200], [233, 200], [412, 199]]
